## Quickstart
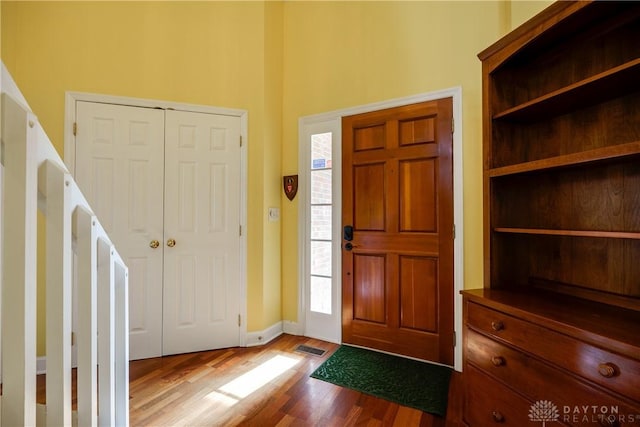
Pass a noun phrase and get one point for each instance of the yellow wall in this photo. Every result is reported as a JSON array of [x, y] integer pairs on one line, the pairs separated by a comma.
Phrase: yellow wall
[[522, 10], [344, 54], [271, 303], [279, 61], [211, 53]]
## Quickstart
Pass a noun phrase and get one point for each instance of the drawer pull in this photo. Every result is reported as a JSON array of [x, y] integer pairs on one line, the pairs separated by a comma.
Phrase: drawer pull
[[497, 325], [607, 370], [497, 417], [498, 361]]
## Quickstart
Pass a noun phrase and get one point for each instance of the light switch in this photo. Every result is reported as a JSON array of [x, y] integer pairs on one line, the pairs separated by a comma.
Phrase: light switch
[[274, 214]]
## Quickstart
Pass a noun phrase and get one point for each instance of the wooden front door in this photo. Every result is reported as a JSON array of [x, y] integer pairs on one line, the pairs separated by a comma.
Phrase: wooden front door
[[397, 248]]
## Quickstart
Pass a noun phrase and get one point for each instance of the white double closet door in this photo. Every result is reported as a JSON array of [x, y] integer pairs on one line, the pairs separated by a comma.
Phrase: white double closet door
[[166, 186]]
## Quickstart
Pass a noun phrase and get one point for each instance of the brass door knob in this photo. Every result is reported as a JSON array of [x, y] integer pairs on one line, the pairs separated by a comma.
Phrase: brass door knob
[[171, 243], [154, 244]]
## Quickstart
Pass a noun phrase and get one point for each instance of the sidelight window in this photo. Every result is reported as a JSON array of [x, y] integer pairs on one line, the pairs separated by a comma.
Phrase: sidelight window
[[320, 227]]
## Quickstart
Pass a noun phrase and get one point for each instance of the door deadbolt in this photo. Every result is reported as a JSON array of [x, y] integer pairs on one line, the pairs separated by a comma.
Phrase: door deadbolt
[[348, 233]]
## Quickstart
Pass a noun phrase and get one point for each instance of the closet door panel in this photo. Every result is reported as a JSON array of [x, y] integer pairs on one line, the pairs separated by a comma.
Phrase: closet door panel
[[202, 217], [120, 170]]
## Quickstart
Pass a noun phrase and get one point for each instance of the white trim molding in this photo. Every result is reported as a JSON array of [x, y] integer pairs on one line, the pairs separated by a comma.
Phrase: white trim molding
[[292, 328], [70, 115], [41, 365], [71, 98], [266, 335]]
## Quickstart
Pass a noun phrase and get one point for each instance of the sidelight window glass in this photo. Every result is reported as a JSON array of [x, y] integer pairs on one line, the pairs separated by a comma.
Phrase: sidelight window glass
[[321, 209]]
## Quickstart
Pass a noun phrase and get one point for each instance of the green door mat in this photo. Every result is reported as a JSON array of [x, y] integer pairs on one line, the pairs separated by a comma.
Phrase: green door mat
[[419, 385]]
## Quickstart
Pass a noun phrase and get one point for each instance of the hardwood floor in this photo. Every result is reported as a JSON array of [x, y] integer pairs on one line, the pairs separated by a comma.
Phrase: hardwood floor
[[189, 390], [202, 389]]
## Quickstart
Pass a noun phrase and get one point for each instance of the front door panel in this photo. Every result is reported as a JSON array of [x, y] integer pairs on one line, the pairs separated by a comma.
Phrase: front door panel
[[398, 197]]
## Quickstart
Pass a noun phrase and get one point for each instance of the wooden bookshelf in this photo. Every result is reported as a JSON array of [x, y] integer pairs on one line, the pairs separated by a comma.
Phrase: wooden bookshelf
[[570, 233], [631, 149], [593, 90], [556, 319]]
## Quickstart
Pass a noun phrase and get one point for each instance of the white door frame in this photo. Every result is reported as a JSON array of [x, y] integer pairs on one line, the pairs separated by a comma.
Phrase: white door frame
[[304, 215], [329, 322], [70, 159]]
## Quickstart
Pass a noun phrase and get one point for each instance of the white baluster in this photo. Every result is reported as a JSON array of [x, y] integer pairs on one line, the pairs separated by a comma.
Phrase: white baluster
[[103, 321], [19, 280], [122, 344], [106, 334], [87, 343], [1, 245], [55, 186]]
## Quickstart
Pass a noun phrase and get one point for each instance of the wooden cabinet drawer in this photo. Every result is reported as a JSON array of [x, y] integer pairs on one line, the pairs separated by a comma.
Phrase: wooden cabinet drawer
[[539, 381], [610, 370], [491, 403]]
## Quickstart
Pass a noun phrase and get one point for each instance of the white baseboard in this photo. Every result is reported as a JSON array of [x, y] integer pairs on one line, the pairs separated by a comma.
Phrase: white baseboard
[[262, 337], [252, 339], [41, 362], [41, 365], [292, 328]]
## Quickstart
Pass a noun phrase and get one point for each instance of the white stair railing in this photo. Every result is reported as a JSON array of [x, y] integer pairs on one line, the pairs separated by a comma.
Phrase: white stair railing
[[33, 177]]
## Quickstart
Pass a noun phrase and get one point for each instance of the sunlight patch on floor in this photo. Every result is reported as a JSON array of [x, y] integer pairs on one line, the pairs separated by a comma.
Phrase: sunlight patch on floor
[[246, 384], [222, 399]]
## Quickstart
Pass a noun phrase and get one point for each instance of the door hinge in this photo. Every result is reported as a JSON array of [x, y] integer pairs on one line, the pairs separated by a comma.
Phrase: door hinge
[[75, 128], [239, 320], [73, 339], [240, 140], [453, 125], [455, 338], [240, 230], [454, 231]]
